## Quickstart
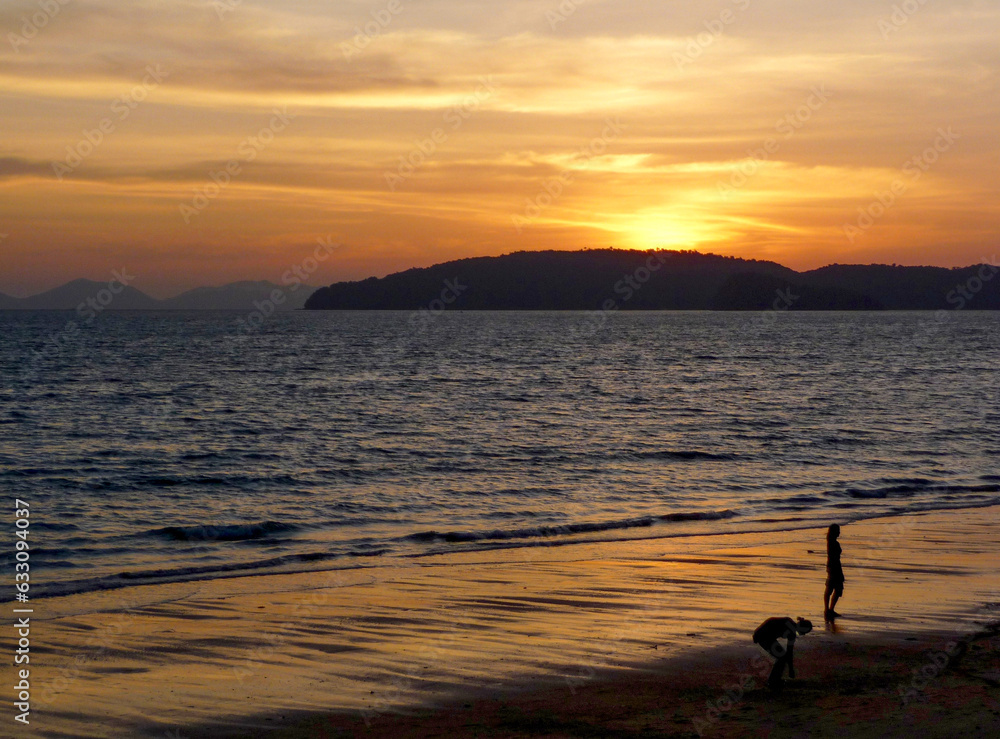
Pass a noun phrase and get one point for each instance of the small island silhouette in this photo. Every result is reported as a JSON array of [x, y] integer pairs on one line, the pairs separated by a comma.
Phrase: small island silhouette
[[625, 279]]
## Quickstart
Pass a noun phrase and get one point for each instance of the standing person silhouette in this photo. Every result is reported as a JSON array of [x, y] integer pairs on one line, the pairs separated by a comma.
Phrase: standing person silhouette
[[834, 573]]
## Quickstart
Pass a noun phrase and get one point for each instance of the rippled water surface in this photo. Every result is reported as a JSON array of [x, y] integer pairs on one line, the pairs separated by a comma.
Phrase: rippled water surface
[[157, 447]]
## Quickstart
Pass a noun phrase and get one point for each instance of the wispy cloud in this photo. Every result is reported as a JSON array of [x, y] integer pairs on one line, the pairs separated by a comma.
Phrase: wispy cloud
[[689, 126]]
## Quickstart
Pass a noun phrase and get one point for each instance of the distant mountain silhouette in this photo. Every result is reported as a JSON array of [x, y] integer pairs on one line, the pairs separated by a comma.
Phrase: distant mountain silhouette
[[238, 296], [81, 294], [682, 280], [72, 294]]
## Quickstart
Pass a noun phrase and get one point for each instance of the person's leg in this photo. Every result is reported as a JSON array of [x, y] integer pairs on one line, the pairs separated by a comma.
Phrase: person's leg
[[777, 650], [777, 671], [826, 598], [837, 592]]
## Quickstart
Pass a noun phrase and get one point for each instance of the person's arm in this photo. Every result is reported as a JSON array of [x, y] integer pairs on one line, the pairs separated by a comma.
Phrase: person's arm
[[791, 655]]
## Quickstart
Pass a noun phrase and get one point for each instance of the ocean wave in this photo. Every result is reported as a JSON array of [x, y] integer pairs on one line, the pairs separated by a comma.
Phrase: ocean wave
[[327, 559], [53, 526], [223, 532], [699, 516], [912, 488], [201, 456], [880, 493], [168, 576], [568, 529], [679, 454], [227, 480], [803, 500], [905, 481]]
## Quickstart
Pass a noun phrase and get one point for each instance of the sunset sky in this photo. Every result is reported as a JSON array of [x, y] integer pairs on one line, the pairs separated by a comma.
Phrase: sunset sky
[[759, 128]]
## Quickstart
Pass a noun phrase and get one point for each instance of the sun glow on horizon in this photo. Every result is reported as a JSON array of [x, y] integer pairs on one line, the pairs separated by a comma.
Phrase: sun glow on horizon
[[457, 131]]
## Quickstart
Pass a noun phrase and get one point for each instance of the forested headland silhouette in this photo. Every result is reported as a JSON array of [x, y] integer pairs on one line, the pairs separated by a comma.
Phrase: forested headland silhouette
[[612, 279]]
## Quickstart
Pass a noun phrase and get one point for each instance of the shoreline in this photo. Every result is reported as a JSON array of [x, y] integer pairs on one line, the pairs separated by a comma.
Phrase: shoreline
[[235, 653], [495, 548]]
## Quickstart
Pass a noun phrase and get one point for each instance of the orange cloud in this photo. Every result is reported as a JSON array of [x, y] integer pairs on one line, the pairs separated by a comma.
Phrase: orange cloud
[[765, 143]]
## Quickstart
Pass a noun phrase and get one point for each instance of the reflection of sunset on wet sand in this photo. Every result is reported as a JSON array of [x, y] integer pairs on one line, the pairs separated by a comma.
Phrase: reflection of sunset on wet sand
[[376, 641]]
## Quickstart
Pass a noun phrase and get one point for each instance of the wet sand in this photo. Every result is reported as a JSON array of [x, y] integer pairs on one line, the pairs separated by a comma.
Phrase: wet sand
[[864, 687], [593, 639]]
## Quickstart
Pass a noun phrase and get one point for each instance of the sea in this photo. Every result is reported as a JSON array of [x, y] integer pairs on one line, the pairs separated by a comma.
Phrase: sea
[[172, 447]]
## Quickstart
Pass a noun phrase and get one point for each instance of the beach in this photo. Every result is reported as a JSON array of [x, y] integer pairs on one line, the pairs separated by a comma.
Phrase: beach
[[517, 369], [633, 637], [848, 692]]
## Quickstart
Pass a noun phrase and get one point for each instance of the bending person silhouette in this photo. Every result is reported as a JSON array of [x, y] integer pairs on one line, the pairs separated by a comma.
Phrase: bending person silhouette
[[768, 634], [834, 573]]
